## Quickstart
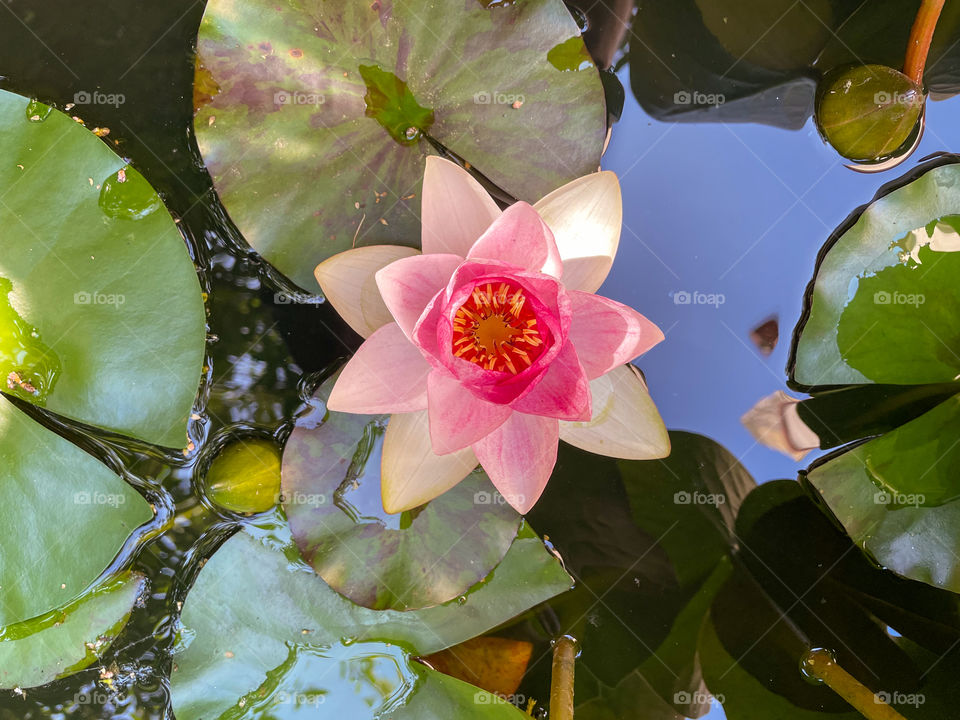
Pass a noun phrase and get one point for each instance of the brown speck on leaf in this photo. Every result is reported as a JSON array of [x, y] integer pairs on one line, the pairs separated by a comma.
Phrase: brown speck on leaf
[[296, 53], [14, 381], [121, 175]]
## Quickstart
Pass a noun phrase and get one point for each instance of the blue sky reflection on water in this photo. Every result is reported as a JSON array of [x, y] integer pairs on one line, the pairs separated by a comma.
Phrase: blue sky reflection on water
[[738, 211]]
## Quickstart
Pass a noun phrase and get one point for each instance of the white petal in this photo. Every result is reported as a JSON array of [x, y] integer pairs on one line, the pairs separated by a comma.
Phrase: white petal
[[585, 216], [775, 422], [410, 473], [348, 281], [455, 209], [625, 423]]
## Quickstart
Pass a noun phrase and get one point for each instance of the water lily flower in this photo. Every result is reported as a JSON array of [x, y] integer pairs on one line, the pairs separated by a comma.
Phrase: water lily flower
[[490, 345], [775, 422]]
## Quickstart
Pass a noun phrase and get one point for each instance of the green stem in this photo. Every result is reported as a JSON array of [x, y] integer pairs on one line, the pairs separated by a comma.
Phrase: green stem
[[820, 664], [561, 686], [921, 34]]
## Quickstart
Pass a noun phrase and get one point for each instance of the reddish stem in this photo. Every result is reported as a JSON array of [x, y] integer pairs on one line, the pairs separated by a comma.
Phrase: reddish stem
[[920, 36]]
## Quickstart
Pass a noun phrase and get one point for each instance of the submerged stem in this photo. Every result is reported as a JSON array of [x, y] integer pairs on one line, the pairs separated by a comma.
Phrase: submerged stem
[[561, 686], [921, 34], [821, 665]]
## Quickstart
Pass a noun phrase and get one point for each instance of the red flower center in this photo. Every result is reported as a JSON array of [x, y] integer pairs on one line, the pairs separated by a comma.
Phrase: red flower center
[[497, 329]]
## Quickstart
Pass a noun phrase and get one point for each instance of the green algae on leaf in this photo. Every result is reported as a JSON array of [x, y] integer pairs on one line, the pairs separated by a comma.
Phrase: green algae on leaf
[[571, 54], [390, 102], [316, 133], [29, 367]]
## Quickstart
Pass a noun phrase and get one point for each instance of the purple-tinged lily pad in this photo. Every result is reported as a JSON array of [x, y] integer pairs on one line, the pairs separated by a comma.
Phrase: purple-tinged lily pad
[[315, 116], [415, 559]]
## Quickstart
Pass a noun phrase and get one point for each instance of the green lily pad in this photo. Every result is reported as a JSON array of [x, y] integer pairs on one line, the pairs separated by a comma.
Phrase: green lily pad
[[652, 539], [259, 624], [779, 604], [763, 57], [101, 311], [775, 34], [879, 31], [898, 496], [68, 639], [316, 116], [744, 696], [700, 487], [870, 291], [102, 322], [66, 518], [869, 113], [706, 77], [880, 311], [422, 557]]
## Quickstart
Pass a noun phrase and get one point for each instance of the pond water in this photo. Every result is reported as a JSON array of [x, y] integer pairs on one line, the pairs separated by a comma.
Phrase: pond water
[[722, 226]]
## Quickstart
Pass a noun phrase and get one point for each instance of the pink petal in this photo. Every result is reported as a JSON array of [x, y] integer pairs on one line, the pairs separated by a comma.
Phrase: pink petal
[[386, 375], [608, 334], [348, 282], [457, 418], [408, 285], [519, 457], [455, 210], [585, 216], [625, 422], [520, 237], [410, 473], [434, 333], [563, 392]]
